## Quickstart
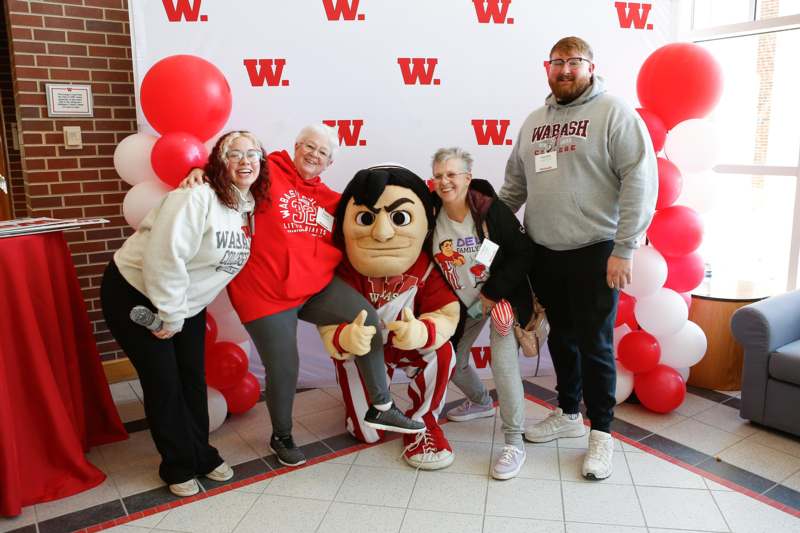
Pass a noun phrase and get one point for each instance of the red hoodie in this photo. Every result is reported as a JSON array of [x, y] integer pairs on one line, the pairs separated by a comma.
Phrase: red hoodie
[[291, 256]]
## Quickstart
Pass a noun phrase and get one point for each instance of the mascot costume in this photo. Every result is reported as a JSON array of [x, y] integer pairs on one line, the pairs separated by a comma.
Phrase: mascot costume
[[383, 222]]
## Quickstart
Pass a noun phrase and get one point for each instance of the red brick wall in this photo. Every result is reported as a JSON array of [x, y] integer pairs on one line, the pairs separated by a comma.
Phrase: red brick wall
[[78, 41]]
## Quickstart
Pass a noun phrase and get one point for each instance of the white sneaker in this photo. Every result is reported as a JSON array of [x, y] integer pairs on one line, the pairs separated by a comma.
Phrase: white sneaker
[[187, 488], [555, 426], [598, 461], [509, 463], [221, 473]]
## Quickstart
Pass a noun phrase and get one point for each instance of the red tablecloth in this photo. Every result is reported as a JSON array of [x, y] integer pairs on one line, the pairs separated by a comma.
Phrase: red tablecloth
[[54, 399]]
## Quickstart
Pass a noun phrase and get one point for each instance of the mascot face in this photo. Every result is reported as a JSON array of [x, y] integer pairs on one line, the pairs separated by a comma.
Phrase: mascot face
[[385, 239]]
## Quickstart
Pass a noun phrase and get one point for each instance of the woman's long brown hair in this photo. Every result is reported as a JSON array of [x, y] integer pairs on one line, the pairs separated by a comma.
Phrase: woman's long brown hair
[[216, 171]]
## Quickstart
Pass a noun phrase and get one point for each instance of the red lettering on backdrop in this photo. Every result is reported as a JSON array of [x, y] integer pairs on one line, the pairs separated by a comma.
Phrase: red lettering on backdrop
[[349, 131], [183, 9], [491, 131], [633, 14], [418, 70], [492, 11], [266, 70], [338, 9], [481, 359]]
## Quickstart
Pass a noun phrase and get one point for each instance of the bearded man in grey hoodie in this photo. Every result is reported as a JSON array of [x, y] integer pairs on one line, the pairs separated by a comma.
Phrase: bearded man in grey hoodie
[[585, 167]]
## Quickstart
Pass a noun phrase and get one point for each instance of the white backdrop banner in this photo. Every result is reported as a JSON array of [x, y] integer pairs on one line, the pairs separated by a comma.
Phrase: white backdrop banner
[[399, 79]]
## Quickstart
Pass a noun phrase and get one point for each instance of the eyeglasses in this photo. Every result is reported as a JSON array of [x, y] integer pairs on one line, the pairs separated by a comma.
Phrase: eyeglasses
[[314, 149], [573, 62], [234, 156], [448, 175]]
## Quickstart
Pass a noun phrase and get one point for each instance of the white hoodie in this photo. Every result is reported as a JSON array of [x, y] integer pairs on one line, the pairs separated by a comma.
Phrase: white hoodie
[[186, 250]]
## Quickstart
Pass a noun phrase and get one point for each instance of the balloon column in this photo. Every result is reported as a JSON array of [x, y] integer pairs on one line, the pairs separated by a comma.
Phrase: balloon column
[[677, 86], [187, 100]]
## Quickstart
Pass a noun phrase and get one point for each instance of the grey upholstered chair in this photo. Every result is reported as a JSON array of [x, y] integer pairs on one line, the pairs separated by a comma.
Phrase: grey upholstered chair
[[769, 332]]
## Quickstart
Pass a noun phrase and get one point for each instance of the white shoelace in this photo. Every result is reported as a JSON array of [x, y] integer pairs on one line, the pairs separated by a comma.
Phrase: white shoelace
[[508, 454], [427, 447], [552, 421], [598, 449]]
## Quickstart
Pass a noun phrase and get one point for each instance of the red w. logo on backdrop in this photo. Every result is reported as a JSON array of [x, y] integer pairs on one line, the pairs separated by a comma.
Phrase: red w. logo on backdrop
[[349, 131], [336, 9], [481, 359], [183, 9], [418, 70], [491, 131], [491, 10], [633, 13], [266, 70]]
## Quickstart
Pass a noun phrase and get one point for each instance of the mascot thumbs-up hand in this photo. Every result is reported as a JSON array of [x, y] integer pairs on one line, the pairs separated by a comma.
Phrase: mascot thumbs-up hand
[[346, 340], [409, 333], [355, 337]]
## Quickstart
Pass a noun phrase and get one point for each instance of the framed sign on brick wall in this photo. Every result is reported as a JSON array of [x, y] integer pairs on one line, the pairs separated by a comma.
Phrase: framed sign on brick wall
[[69, 100]]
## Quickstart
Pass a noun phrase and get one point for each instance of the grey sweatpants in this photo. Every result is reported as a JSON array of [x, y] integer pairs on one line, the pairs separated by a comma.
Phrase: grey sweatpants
[[275, 338], [505, 369]]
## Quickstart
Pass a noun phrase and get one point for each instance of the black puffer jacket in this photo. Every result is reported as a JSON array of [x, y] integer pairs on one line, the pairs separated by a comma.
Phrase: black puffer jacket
[[508, 276]]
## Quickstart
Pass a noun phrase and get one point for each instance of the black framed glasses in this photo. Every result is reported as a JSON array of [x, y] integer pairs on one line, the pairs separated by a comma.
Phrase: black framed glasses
[[573, 62]]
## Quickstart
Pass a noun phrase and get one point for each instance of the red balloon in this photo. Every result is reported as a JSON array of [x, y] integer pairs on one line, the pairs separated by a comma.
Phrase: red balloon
[[243, 395], [211, 331], [679, 81], [660, 390], [655, 126], [186, 93], [638, 351], [676, 230], [226, 365], [684, 272], [175, 154], [625, 311], [670, 183]]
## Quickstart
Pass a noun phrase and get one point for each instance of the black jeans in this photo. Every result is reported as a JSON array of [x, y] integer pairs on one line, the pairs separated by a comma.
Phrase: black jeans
[[581, 309], [172, 373]]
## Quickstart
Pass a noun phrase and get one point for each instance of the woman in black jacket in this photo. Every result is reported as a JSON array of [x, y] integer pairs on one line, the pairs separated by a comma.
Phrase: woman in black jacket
[[485, 255]]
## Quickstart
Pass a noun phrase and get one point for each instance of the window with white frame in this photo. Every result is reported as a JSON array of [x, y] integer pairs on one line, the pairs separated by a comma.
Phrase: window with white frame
[[751, 202]]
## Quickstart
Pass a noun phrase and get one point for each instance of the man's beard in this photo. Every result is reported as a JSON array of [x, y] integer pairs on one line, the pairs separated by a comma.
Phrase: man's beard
[[567, 93]]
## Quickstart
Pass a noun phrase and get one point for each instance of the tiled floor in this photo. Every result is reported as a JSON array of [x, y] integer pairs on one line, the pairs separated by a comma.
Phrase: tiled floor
[[700, 468]]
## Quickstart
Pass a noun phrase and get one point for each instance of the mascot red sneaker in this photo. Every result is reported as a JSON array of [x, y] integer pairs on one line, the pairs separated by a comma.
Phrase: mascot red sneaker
[[383, 221]]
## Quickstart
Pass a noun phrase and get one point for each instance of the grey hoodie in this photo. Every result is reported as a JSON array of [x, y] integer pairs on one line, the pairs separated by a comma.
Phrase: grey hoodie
[[606, 182]]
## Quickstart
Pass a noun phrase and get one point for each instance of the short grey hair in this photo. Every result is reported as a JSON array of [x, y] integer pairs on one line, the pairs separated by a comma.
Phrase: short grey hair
[[443, 154], [323, 130]]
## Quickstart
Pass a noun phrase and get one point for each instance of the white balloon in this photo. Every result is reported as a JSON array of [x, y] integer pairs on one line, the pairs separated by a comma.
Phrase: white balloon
[[684, 348], [624, 383], [662, 313], [141, 199], [132, 158], [620, 332], [648, 274], [684, 372], [699, 192], [693, 145], [217, 408], [229, 327]]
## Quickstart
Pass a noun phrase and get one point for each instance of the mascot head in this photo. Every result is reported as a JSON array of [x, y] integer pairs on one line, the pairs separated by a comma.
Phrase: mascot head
[[383, 220]]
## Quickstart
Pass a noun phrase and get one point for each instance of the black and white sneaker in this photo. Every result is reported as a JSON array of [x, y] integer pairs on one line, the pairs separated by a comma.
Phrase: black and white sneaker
[[286, 451], [392, 420]]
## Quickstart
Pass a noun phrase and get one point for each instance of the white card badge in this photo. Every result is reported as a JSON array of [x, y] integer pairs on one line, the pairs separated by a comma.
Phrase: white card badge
[[324, 219], [546, 161], [487, 252]]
